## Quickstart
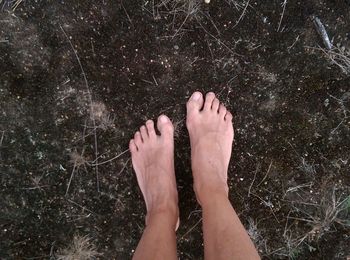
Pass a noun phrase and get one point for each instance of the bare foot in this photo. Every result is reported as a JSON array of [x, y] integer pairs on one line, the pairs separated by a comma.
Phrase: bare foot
[[153, 161], [211, 135]]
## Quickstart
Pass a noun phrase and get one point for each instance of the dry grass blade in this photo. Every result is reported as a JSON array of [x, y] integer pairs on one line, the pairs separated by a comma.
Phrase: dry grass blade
[[339, 56], [330, 209], [109, 160], [242, 14], [82, 248], [284, 4], [91, 105], [16, 4], [191, 229]]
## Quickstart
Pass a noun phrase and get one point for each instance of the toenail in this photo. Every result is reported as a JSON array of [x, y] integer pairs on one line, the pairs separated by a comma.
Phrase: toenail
[[163, 119], [196, 96]]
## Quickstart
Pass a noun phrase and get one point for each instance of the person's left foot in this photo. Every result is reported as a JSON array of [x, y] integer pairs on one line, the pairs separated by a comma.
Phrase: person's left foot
[[153, 161]]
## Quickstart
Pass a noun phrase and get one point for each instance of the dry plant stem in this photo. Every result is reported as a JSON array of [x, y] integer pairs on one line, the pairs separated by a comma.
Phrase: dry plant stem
[[125, 164], [112, 159], [126, 13], [16, 4], [242, 15], [251, 185], [217, 39], [70, 179], [1, 140], [191, 229], [267, 173], [82, 207], [90, 100], [337, 56], [284, 9]]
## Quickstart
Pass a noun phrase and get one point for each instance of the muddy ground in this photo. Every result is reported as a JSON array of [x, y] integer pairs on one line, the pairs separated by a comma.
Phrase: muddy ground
[[78, 78]]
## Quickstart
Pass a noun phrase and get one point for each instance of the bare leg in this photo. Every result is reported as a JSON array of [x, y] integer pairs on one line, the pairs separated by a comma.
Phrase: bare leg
[[211, 134], [153, 161]]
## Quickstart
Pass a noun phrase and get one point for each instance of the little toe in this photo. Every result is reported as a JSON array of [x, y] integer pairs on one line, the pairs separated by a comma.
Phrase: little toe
[[150, 128], [165, 127], [228, 116], [138, 139], [132, 146], [209, 98], [144, 134], [195, 103], [215, 105]]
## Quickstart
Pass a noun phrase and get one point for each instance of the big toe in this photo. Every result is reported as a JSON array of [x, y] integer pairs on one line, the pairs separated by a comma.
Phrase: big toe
[[195, 103], [165, 127]]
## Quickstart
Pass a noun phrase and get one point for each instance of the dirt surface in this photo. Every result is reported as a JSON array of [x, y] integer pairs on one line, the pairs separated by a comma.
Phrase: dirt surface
[[77, 79]]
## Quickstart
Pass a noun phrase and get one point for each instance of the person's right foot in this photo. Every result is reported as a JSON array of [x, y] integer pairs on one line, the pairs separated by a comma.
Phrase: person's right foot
[[211, 135]]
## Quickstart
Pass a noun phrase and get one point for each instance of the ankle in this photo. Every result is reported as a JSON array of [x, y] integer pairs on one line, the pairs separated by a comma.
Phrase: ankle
[[213, 199], [207, 192], [167, 214]]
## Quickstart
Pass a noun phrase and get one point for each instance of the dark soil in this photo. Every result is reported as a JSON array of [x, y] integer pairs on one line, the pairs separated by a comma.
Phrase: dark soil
[[292, 121]]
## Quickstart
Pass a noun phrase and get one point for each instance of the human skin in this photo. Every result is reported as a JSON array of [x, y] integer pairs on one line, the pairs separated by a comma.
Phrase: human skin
[[211, 136]]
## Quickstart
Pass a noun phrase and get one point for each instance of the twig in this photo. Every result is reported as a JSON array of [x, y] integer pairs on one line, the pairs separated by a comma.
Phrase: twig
[[78, 217], [16, 4], [190, 230], [92, 107], [1, 140], [296, 40], [336, 128], [127, 15], [219, 41], [242, 14], [193, 212], [267, 173], [115, 157], [70, 179], [155, 81], [268, 204], [51, 250], [284, 9], [212, 22], [251, 185], [125, 164], [2, 137], [84, 208], [184, 21], [299, 187]]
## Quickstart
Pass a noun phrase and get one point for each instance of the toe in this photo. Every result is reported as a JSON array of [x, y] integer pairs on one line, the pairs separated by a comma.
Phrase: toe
[[228, 116], [144, 134], [138, 139], [132, 146], [165, 126], [215, 105], [209, 98], [150, 128], [222, 110], [195, 103]]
